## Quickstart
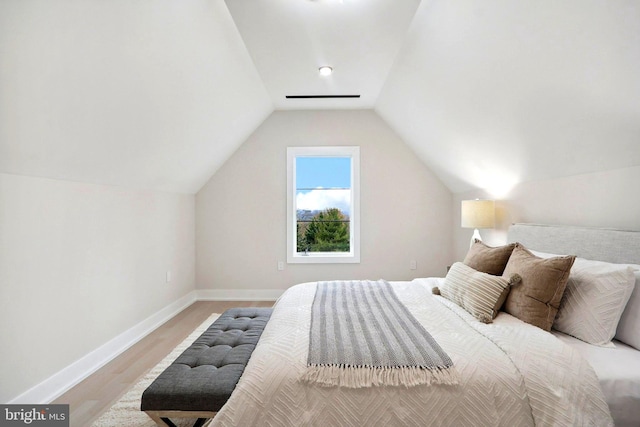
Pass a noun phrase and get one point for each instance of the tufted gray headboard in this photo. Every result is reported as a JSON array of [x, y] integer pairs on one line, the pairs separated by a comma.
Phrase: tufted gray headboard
[[617, 246]]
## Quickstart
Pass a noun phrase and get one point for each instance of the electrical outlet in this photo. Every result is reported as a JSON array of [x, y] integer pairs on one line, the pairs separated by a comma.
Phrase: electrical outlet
[[280, 265], [168, 276], [413, 264]]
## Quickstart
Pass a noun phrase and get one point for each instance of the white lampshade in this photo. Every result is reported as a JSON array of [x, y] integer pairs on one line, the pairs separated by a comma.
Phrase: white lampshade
[[478, 214]]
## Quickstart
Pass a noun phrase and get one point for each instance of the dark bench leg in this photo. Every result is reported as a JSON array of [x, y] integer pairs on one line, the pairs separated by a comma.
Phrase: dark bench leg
[[169, 423], [199, 422], [163, 418]]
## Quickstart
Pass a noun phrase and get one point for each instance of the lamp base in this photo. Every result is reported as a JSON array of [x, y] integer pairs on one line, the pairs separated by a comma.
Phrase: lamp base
[[476, 236]]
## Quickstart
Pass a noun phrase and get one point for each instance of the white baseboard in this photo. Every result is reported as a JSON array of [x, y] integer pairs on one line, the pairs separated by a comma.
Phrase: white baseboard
[[238, 294], [62, 381], [59, 383]]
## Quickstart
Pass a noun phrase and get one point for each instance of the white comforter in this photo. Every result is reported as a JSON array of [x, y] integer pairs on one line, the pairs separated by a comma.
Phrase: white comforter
[[513, 374]]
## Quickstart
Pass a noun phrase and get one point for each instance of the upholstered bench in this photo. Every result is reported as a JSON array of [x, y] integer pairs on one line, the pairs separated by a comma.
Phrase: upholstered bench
[[201, 379]]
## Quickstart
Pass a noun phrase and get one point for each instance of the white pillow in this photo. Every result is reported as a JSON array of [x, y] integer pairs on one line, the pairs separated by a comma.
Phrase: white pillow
[[629, 327], [596, 295]]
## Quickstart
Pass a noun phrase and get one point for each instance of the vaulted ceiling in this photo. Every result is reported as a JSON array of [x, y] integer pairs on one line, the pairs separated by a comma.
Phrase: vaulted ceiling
[[158, 94], [491, 93], [289, 40], [147, 94]]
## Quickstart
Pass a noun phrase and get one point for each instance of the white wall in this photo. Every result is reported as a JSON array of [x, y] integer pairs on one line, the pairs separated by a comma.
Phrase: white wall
[[241, 213], [79, 265], [603, 199]]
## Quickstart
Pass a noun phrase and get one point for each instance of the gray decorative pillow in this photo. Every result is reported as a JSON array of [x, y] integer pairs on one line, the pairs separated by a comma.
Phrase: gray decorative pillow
[[479, 293]]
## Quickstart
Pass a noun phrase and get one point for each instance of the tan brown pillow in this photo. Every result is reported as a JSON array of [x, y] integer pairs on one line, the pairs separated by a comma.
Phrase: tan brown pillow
[[536, 298], [487, 259], [481, 294]]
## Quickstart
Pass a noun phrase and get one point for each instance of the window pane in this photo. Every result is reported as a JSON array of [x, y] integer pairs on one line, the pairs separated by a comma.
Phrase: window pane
[[323, 204], [325, 172]]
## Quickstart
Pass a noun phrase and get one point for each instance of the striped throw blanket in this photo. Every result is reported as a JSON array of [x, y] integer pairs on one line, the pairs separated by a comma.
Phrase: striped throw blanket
[[362, 336]]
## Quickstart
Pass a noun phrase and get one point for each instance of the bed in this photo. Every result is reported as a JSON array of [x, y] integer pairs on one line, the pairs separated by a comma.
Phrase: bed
[[511, 373], [617, 367]]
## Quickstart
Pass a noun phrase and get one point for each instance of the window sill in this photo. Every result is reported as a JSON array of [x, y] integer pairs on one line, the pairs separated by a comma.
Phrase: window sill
[[324, 258]]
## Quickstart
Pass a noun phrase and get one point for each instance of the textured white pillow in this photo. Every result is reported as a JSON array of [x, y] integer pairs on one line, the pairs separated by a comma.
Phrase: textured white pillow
[[629, 327], [596, 295]]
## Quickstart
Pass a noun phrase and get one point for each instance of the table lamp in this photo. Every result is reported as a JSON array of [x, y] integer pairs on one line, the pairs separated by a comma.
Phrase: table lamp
[[477, 214]]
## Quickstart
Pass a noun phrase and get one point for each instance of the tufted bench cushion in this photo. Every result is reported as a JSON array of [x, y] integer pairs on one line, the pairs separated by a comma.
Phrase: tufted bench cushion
[[202, 378]]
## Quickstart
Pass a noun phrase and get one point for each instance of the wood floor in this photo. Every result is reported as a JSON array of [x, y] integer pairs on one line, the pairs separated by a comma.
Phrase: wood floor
[[89, 399]]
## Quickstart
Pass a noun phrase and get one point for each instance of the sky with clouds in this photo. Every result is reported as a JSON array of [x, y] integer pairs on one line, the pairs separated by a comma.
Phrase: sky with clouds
[[321, 199], [323, 182]]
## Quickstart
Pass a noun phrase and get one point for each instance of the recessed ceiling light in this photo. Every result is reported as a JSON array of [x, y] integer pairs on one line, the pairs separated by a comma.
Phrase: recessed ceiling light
[[325, 70]]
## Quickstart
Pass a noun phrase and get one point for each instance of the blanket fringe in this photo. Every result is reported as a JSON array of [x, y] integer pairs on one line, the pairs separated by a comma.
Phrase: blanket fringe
[[363, 376]]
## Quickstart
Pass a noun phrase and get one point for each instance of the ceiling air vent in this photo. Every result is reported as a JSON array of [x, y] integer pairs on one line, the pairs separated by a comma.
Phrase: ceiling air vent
[[320, 96]]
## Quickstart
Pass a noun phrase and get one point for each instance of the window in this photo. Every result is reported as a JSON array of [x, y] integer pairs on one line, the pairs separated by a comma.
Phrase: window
[[323, 204]]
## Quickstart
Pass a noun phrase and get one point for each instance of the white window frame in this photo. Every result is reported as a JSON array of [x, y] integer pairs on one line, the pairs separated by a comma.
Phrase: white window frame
[[353, 256]]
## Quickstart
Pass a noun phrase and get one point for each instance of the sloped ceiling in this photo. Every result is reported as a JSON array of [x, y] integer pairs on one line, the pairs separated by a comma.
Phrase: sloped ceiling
[[148, 94], [289, 40], [491, 93], [158, 94]]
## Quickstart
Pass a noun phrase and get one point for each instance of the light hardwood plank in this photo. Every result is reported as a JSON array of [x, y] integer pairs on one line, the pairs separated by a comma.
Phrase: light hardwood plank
[[93, 396]]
